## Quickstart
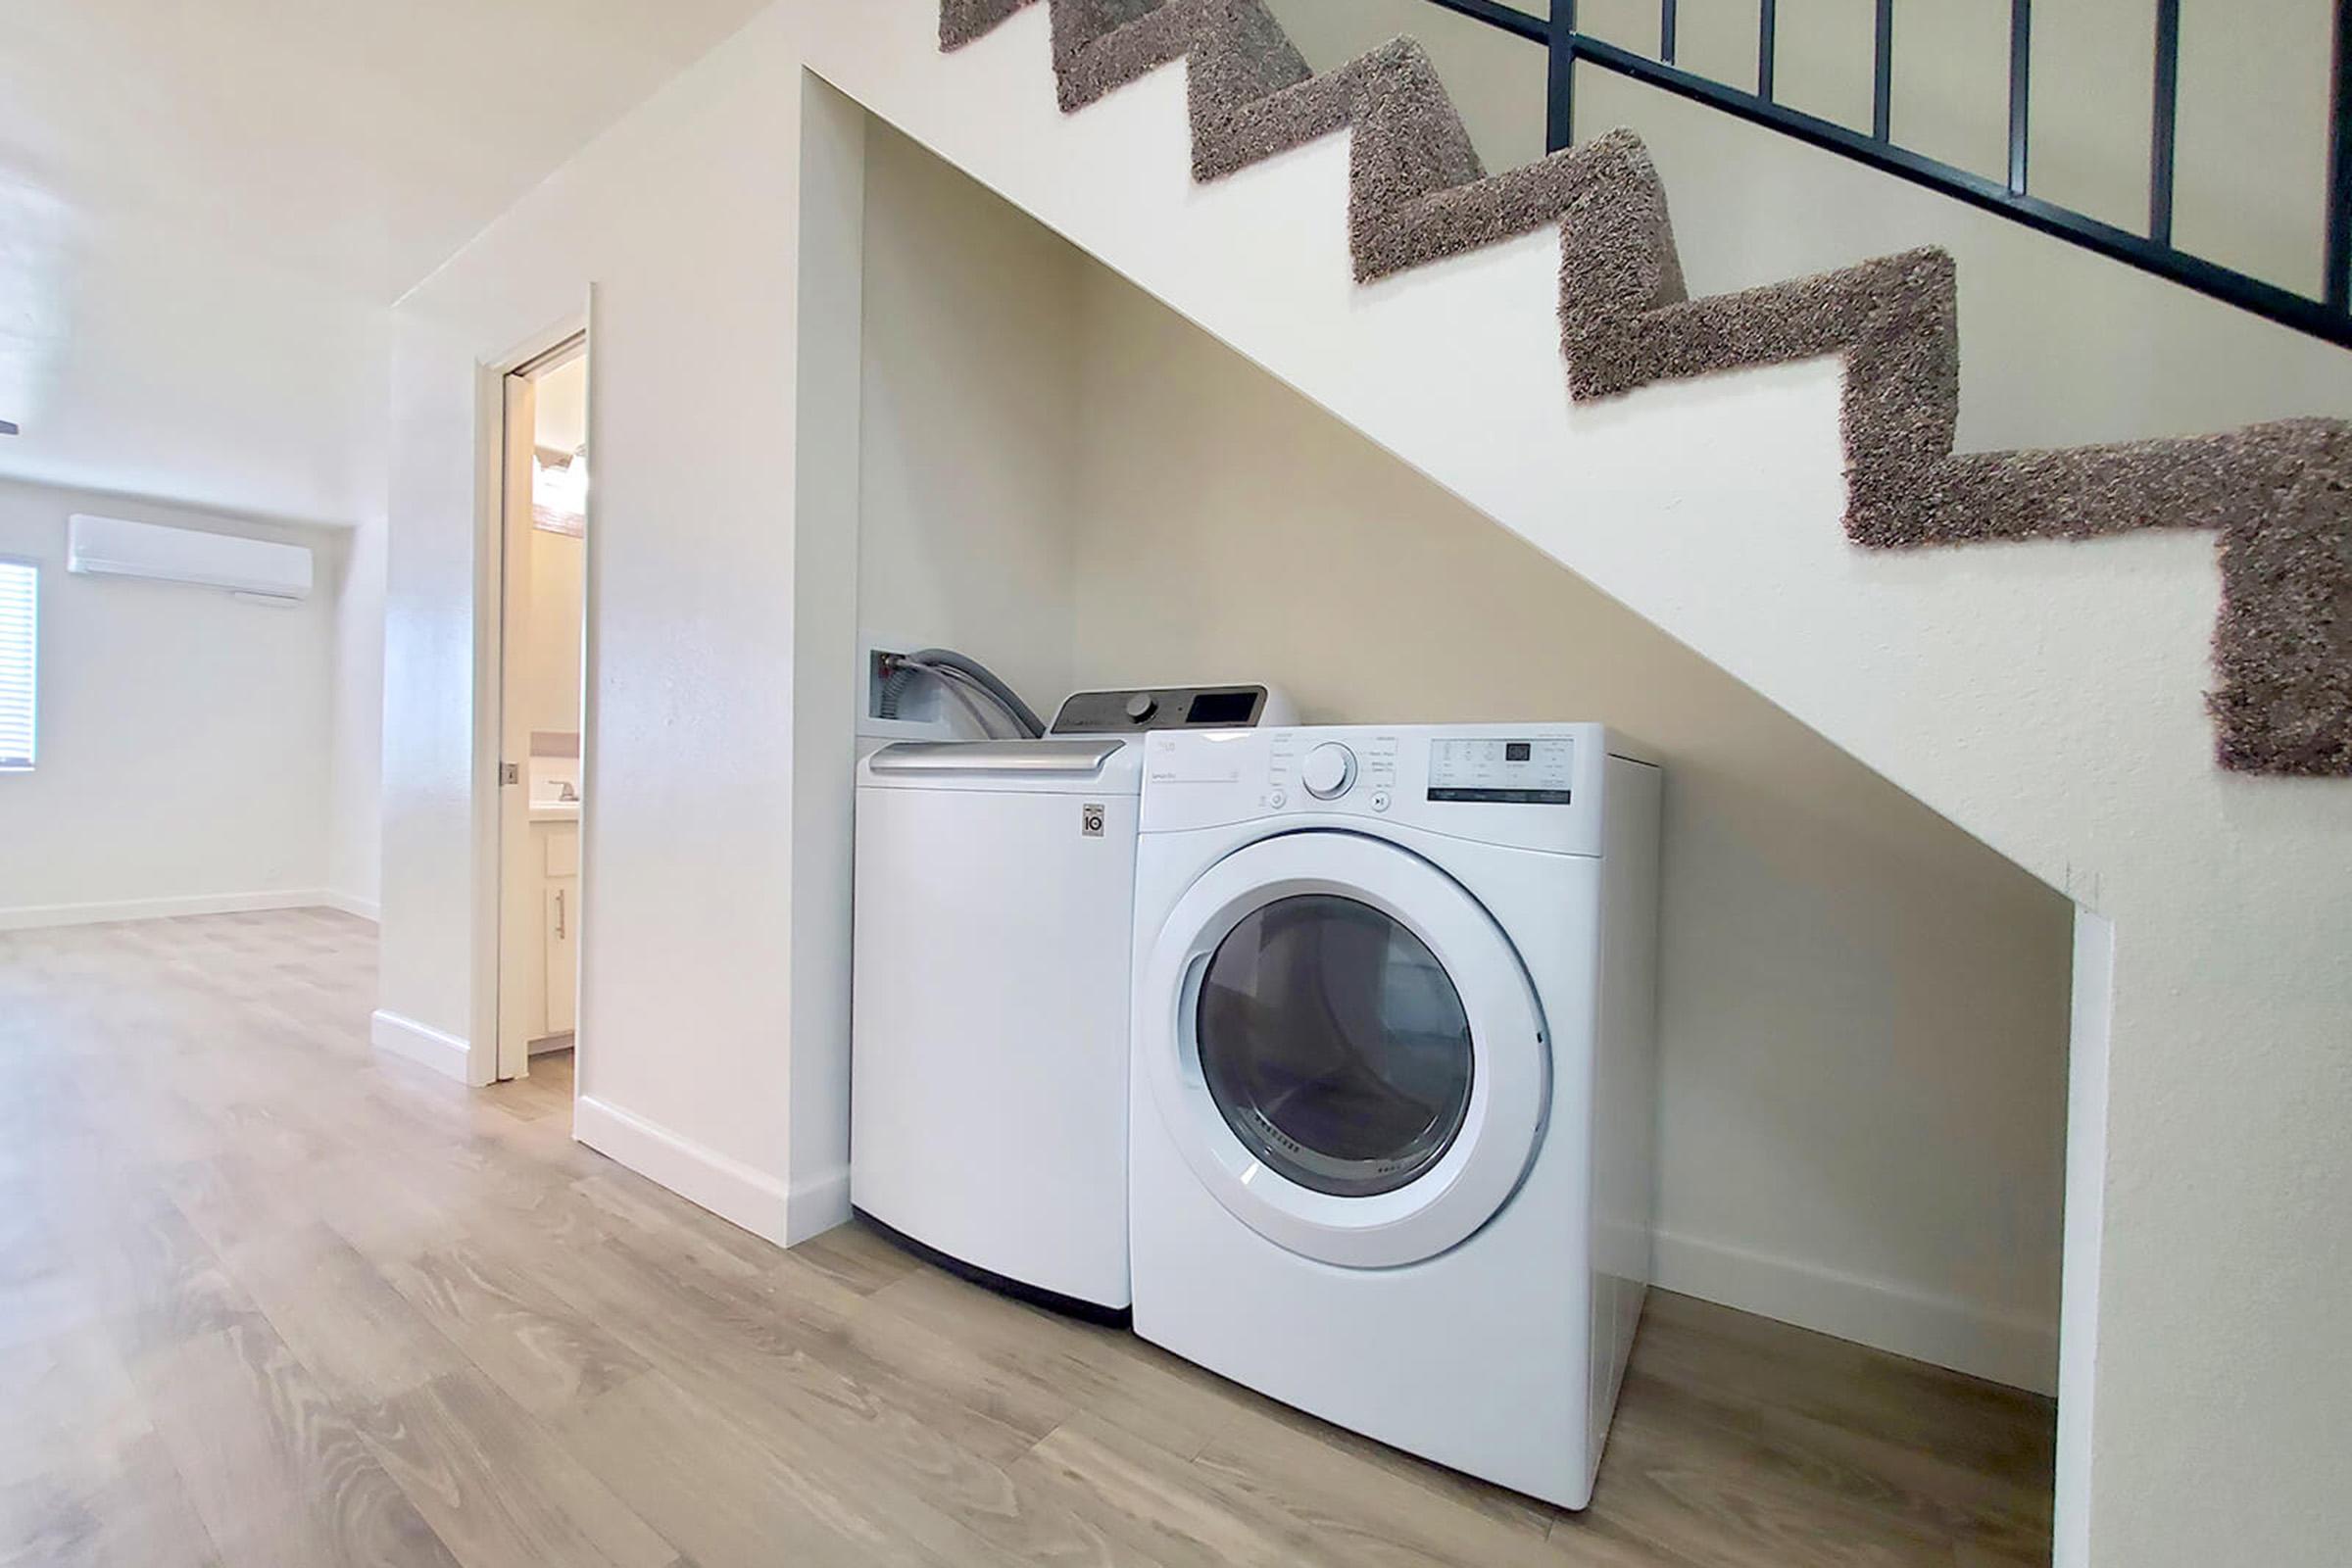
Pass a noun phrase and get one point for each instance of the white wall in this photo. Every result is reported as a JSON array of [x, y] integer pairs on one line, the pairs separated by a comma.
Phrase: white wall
[[185, 737], [1864, 1012], [153, 360], [356, 772], [970, 423], [685, 219]]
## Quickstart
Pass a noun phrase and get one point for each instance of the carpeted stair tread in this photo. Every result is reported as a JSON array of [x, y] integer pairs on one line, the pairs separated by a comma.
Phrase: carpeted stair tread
[[2279, 495]]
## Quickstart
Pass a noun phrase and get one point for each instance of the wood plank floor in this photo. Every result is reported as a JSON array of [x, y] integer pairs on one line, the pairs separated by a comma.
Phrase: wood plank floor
[[269, 1297]]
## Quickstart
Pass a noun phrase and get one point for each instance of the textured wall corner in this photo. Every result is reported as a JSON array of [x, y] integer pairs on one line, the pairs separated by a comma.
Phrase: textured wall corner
[[2279, 496]]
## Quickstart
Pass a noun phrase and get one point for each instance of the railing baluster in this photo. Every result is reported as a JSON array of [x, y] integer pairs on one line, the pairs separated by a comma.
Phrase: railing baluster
[[2327, 316], [1560, 130], [2337, 286], [2163, 121], [2021, 72], [1881, 94]]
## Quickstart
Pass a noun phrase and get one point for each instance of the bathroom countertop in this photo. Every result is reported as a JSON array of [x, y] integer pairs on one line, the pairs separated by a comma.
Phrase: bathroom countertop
[[555, 810]]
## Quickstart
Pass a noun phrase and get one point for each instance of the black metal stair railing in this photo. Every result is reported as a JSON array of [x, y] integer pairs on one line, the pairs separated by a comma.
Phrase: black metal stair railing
[[2327, 317]]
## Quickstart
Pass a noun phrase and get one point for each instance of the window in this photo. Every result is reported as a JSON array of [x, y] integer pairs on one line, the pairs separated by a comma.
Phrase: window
[[19, 615]]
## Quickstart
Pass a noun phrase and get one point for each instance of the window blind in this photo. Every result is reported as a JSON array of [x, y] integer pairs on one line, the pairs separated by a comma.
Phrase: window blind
[[19, 613]]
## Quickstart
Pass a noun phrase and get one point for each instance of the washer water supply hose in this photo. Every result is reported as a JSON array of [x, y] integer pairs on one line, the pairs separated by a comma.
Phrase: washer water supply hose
[[967, 677]]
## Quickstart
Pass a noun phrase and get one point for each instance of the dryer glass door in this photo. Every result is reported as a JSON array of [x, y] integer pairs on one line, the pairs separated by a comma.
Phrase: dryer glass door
[[1344, 1048], [1333, 1045]]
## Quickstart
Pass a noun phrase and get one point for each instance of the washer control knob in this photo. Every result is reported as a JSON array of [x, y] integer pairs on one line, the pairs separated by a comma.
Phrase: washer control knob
[[1142, 706], [1329, 771]]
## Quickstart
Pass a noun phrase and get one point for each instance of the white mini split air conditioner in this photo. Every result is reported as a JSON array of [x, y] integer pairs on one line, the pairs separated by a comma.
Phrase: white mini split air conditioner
[[116, 547]]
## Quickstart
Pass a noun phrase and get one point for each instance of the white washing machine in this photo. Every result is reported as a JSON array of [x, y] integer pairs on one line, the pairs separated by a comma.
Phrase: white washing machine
[[990, 938], [1391, 1148]]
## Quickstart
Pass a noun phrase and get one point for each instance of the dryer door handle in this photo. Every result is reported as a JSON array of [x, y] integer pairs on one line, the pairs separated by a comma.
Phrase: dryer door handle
[[1187, 1000]]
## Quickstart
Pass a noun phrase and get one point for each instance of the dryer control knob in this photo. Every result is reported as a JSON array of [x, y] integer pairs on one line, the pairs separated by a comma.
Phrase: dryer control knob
[[1329, 771], [1142, 706]]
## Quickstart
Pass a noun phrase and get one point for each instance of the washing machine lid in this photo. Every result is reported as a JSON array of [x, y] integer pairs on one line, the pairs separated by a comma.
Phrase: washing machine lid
[[1346, 1048], [1100, 765]]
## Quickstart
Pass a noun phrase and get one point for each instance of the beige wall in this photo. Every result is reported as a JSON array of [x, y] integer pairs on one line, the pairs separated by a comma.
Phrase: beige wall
[[1504, 111], [552, 658], [2059, 346], [1865, 1011], [2252, 129], [556, 581], [970, 423]]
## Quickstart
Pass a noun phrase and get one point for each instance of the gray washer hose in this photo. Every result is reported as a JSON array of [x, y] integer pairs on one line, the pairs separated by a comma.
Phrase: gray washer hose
[[945, 663]]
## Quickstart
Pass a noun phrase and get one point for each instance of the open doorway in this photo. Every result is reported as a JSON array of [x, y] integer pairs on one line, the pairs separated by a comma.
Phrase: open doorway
[[544, 523]]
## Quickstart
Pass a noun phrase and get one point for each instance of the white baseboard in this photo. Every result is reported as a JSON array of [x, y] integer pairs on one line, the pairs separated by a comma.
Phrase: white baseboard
[[445, 1054], [727, 1187], [28, 918], [819, 1204], [352, 903], [2018, 1351]]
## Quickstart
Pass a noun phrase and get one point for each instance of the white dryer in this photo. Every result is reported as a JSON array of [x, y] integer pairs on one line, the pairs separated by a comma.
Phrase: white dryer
[[1393, 1088]]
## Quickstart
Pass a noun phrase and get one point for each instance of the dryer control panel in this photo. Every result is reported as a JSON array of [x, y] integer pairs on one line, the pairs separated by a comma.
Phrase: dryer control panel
[[1540, 770], [1536, 786], [1156, 708]]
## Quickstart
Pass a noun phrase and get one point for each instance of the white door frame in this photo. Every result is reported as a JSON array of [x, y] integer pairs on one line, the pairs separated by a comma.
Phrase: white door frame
[[499, 1048]]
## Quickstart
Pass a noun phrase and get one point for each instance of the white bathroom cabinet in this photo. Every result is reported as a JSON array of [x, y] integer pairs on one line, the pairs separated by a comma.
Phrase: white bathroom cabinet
[[563, 953], [549, 1014]]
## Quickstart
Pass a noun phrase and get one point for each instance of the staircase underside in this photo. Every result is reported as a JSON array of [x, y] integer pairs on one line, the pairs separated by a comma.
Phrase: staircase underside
[[2278, 495]]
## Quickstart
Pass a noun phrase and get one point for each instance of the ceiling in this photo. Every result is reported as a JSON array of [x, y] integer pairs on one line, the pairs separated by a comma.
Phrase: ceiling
[[355, 142], [207, 205]]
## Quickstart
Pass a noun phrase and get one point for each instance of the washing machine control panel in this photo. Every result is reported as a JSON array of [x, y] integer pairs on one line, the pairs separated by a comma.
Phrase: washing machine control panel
[[1116, 713]]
